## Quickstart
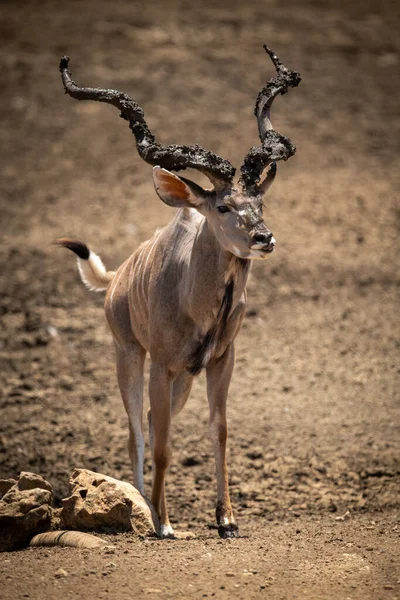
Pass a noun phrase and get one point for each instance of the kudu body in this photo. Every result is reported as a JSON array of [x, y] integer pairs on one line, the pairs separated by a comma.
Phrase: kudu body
[[181, 296]]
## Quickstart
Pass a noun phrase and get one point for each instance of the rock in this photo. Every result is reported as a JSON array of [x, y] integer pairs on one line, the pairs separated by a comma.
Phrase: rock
[[99, 502], [60, 573], [31, 481], [192, 461], [5, 485], [255, 453], [25, 509]]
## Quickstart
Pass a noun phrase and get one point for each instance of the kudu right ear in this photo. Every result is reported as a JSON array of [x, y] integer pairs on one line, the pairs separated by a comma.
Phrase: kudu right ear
[[177, 191]]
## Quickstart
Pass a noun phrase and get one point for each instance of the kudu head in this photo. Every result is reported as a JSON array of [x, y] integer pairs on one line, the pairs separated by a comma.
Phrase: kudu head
[[234, 211]]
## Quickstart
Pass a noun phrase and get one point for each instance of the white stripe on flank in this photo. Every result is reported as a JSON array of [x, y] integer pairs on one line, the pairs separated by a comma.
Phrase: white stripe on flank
[[145, 266], [135, 275]]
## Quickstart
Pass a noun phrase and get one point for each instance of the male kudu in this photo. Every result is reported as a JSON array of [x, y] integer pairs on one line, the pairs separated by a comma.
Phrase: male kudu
[[181, 295]]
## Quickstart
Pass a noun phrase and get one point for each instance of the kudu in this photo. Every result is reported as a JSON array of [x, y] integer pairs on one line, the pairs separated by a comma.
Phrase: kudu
[[181, 296]]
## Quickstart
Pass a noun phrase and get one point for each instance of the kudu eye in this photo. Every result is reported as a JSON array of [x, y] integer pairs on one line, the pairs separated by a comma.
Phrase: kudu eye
[[223, 209]]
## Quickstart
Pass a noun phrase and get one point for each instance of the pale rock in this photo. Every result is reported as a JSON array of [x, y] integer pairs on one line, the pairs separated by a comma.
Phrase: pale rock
[[25, 509], [99, 502]]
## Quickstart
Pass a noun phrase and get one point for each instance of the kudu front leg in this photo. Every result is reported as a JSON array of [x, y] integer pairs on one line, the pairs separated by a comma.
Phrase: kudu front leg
[[160, 388], [219, 375]]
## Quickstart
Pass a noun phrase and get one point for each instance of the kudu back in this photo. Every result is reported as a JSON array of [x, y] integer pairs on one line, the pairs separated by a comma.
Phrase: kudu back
[[181, 296]]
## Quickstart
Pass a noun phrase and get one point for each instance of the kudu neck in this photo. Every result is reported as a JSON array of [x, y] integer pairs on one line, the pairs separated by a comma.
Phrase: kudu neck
[[216, 268]]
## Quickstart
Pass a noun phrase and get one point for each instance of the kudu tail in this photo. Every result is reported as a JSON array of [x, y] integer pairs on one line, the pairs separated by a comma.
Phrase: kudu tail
[[91, 269]]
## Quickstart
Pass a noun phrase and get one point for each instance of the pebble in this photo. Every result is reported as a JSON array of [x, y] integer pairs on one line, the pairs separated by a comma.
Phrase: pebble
[[388, 586], [230, 574], [61, 573]]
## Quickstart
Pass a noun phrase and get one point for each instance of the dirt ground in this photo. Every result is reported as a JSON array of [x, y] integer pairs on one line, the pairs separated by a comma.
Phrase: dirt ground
[[313, 409]]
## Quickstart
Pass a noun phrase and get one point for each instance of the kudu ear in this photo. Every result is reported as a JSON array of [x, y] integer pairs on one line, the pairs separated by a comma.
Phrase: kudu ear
[[264, 186], [177, 191]]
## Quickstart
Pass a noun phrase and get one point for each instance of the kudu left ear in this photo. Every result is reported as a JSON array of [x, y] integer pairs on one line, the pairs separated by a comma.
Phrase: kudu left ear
[[264, 186], [177, 191]]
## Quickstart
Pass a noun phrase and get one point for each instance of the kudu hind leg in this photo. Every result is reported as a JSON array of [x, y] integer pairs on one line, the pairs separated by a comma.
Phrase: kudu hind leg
[[130, 362], [160, 389], [218, 379]]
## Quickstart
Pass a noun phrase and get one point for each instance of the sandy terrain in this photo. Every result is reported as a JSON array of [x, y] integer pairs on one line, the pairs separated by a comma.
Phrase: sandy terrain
[[314, 403]]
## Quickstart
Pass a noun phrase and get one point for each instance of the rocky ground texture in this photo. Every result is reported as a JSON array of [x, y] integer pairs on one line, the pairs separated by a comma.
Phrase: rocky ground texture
[[313, 409]]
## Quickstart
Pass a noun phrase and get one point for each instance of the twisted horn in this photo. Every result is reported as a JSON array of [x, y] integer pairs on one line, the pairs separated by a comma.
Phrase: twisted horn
[[172, 157], [275, 146]]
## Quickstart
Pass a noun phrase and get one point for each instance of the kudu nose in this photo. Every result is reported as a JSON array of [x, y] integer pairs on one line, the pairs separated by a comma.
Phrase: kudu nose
[[264, 237]]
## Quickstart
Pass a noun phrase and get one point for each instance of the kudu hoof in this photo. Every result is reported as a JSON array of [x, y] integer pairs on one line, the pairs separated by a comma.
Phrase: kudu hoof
[[166, 533], [228, 531]]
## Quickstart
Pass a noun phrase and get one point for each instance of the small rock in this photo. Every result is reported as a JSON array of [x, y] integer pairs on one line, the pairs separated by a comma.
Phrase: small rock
[[100, 502], [31, 481], [230, 574], [192, 461], [388, 586], [25, 510], [343, 517], [5, 485], [255, 453], [60, 573]]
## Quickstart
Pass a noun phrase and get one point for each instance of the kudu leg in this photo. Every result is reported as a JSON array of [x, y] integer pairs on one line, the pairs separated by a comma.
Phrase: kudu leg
[[130, 362], [160, 389], [219, 376], [180, 392]]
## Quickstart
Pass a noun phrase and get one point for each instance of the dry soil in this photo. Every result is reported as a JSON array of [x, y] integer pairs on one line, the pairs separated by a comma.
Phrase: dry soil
[[313, 409]]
